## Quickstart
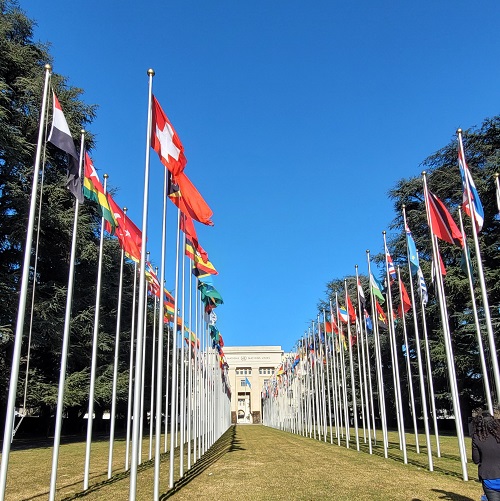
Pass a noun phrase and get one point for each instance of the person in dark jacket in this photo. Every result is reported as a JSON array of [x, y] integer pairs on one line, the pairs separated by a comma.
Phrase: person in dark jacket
[[486, 453]]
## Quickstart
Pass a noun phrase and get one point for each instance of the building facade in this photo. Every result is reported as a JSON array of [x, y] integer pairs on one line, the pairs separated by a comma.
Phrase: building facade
[[249, 368]]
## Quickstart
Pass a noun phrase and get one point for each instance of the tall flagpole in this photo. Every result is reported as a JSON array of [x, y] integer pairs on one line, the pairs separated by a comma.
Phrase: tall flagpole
[[447, 339], [480, 272], [161, 330], [140, 309], [93, 366], [131, 370], [419, 357], [153, 367], [486, 381], [115, 367], [378, 363], [65, 344], [21, 311]]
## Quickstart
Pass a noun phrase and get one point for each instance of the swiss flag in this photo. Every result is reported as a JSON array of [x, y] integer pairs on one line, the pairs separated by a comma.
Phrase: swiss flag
[[165, 141]]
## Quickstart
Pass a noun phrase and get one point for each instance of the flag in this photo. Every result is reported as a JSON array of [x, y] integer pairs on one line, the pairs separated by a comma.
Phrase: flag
[[412, 251], [406, 303], [422, 287], [470, 191], [390, 265], [210, 296], [94, 190], [368, 321], [247, 383], [129, 236], [60, 136], [443, 225], [152, 279], [165, 141], [361, 294], [376, 288], [169, 304], [381, 317], [343, 314], [350, 309], [186, 197]]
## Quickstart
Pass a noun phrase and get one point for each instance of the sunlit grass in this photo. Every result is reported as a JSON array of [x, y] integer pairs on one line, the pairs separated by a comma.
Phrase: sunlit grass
[[255, 463]]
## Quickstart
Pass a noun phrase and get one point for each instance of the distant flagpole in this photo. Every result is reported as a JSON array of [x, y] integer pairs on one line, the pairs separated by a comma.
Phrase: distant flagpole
[[497, 191], [131, 370], [161, 331], [447, 340], [65, 343], [378, 364], [21, 310], [115, 366], [394, 351], [153, 373], [419, 355], [486, 381], [93, 364], [328, 385], [480, 272], [335, 379], [140, 309]]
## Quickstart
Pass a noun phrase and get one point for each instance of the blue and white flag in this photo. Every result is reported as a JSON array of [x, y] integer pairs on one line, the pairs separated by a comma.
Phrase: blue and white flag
[[247, 382], [422, 287], [412, 251]]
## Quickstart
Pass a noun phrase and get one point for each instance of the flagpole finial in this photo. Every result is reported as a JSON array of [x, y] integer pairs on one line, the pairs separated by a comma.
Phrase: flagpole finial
[[383, 233], [356, 266], [495, 175], [459, 131], [424, 173], [125, 209], [105, 176], [48, 67], [151, 72], [403, 206]]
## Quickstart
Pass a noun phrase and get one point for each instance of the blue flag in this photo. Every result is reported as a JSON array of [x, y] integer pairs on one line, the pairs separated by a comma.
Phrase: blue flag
[[412, 251], [248, 382]]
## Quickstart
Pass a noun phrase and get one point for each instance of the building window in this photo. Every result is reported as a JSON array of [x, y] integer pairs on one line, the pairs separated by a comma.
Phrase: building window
[[265, 371], [243, 382]]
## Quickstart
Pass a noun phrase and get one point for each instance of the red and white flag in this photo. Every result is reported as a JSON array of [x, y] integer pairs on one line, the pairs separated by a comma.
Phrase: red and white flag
[[60, 136], [165, 141]]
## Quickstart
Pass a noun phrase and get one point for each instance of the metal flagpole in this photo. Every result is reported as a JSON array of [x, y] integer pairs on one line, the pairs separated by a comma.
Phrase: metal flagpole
[[161, 331], [93, 364], [363, 358], [335, 379], [153, 367], [141, 396], [425, 413], [131, 370], [447, 340], [408, 366], [115, 367], [351, 368], [173, 398], [480, 272], [182, 399], [487, 390], [140, 309], [378, 363], [190, 350], [65, 344], [497, 191], [394, 351], [328, 378], [21, 310]]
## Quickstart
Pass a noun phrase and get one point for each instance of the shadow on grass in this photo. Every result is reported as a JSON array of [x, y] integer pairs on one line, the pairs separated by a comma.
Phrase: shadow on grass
[[451, 496], [227, 443]]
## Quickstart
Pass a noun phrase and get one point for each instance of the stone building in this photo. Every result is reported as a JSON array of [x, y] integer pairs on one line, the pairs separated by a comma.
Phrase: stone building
[[249, 368]]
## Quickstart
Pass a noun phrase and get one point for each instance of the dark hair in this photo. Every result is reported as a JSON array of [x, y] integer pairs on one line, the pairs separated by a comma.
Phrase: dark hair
[[485, 424]]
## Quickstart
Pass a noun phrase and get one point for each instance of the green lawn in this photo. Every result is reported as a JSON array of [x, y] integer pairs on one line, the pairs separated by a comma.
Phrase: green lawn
[[253, 462]]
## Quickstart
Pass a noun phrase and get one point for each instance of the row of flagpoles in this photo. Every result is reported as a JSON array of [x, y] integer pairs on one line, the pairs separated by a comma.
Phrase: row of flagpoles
[[330, 385], [190, 391]]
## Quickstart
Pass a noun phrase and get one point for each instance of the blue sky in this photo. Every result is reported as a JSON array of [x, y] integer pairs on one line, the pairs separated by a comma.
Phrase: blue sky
[[296, 121]]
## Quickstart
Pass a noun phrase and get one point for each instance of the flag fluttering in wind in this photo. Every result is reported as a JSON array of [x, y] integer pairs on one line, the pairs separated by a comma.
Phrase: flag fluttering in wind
[[187, 198], [129, 236], [476, 212], [412, 251], [390, 265], [94, 190], [443, 225], [194, 250], [368, 321], [153, 283], [381, 316], [210, 296], [376, 288], [344, 317], [406, 303], [60, 136], [422, 287], [350, 310], [165, 141], [361, 294]]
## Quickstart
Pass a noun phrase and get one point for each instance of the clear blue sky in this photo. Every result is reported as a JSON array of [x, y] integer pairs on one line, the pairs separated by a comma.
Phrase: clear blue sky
[[296, 118]]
